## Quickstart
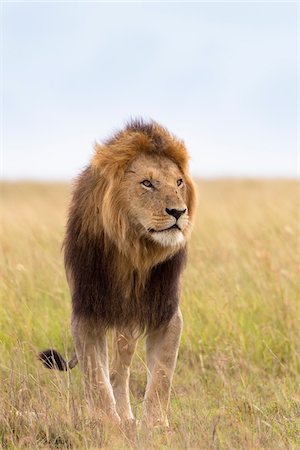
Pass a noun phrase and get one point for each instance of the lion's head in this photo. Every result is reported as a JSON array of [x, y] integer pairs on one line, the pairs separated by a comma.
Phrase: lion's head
[[149, 195]]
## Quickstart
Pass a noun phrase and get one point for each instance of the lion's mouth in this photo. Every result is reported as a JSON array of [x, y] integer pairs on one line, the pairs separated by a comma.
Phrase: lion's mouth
[[173, 227]]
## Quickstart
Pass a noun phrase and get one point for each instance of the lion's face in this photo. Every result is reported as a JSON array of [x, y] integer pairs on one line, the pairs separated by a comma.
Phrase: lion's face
[[156, 197]]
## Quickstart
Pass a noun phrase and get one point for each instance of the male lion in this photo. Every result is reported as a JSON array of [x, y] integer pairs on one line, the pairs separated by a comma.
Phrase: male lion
[[125, 249]]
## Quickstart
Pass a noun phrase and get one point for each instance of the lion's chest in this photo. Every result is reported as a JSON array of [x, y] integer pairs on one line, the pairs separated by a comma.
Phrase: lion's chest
[[101, 293]]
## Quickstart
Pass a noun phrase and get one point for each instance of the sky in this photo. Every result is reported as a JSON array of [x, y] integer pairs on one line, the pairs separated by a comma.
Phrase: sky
[[220, 75]]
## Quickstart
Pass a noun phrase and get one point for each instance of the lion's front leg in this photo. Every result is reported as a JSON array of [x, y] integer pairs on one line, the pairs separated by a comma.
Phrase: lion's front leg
[[124, 343], [91, 349], [162, 350]]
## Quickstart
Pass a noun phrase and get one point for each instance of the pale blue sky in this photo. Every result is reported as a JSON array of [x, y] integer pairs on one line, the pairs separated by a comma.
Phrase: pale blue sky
[[222, 76]]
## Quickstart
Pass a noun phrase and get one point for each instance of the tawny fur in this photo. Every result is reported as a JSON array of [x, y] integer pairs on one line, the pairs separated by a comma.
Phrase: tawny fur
[[124, 250]]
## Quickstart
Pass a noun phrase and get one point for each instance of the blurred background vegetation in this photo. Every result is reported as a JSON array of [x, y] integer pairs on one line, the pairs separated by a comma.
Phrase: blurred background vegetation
[[237, 382]]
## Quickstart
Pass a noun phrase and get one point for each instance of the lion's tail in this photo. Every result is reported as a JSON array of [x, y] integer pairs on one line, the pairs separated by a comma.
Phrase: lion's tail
[[53, 360]]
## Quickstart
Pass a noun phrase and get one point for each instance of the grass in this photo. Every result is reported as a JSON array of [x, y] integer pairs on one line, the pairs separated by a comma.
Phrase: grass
[[237, 383]]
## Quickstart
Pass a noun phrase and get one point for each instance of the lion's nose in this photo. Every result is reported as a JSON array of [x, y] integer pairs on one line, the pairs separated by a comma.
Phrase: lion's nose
[[175, 212]]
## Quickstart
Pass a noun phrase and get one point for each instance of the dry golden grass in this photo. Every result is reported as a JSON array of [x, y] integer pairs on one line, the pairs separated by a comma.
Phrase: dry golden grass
[[237, 382]]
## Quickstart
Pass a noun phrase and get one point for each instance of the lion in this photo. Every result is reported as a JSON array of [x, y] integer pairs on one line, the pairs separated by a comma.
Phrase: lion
[[129, 220]]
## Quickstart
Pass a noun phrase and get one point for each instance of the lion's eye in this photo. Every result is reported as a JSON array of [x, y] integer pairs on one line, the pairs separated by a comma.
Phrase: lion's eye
[[179, 182], [147, 184]]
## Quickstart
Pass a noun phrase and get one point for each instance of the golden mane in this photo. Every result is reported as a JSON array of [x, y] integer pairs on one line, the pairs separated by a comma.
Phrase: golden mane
[[98, 219]]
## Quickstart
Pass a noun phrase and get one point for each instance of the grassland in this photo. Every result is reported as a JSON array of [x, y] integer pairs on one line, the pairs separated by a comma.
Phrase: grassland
[[237, 383]]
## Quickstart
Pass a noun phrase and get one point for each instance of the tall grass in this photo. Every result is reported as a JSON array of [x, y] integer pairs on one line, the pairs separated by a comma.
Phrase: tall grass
[[237, 382]]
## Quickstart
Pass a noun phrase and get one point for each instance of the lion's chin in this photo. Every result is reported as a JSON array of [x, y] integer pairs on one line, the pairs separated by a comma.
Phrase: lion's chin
[[168, 238]]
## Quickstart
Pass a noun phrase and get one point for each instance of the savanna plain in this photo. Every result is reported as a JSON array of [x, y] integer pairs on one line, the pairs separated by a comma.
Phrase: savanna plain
[[237, 382]]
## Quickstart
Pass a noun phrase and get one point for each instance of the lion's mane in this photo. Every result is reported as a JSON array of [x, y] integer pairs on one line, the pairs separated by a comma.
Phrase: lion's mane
[[117, 276]]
